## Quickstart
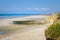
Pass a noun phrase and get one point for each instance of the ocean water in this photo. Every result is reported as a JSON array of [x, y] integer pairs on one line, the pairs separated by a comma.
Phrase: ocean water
[[4, 16]]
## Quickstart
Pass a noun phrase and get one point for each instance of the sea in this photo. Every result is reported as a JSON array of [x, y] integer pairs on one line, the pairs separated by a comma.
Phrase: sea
[[6, 16]]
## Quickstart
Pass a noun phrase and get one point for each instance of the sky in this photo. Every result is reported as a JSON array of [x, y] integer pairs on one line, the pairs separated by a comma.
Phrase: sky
[[29, 6]]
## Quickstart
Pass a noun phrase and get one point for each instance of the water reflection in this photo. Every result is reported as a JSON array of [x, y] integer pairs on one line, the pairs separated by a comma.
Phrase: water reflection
[[2, 32]]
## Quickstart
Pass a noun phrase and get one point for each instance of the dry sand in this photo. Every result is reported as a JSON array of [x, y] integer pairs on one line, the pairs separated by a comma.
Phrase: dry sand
[[32, 34], [29, 34]]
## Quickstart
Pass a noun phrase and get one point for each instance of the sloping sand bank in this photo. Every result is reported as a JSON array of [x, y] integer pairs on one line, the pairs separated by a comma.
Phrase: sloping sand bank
[[32, 34]]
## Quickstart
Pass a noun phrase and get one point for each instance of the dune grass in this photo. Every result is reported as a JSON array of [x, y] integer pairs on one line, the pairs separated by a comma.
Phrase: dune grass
[[54, 30]]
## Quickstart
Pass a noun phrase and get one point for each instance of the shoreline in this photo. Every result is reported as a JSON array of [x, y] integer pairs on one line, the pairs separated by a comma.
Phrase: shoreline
[[32, 16], [35, 17]]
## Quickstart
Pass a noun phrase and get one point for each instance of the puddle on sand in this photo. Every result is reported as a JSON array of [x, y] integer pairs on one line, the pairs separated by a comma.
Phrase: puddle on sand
[[2, 32]]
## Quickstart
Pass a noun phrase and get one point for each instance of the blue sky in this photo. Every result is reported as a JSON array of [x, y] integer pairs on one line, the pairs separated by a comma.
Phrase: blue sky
[[29, 6]]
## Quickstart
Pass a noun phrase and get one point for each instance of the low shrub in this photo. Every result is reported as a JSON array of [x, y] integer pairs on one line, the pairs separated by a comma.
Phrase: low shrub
[[53, 31]]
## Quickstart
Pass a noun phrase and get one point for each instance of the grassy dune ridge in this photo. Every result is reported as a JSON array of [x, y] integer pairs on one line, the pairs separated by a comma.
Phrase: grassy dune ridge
[[53, 32]]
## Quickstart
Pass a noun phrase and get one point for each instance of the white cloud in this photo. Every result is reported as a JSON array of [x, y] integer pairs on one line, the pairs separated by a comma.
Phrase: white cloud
[[24, 9], [45, 9], [38, 9]]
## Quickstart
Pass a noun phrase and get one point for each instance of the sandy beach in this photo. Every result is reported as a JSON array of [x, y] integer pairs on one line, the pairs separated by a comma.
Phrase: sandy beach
[[8, 21], [31, 32], [29, 19]]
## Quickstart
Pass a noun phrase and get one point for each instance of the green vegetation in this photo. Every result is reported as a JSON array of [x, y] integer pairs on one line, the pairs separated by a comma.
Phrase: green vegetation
[[19, 25], [29, 22], [53, 32], [58, 14], [23, 22]]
